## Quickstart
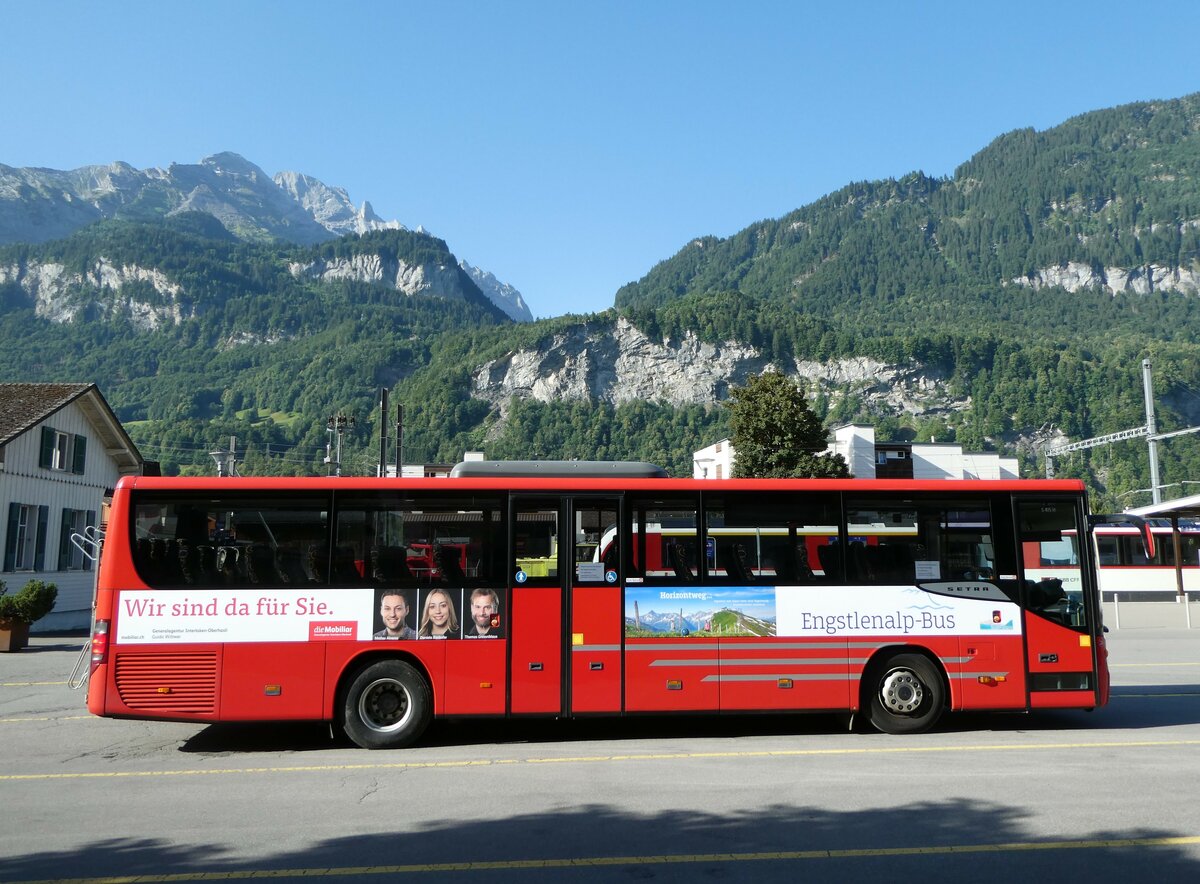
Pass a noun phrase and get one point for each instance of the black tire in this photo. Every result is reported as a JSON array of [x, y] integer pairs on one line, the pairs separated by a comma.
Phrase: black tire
[[907, 695], [387, 706]]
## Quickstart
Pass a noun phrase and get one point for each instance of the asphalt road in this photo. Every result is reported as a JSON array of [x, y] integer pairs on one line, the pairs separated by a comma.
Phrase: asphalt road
[[1103, 796]]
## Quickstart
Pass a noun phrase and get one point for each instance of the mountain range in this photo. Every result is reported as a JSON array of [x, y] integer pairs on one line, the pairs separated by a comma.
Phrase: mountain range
[[1006, 306], [41, 205]]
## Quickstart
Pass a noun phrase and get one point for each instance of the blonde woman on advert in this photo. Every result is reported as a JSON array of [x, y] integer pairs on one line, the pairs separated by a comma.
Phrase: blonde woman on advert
[[438, 617]]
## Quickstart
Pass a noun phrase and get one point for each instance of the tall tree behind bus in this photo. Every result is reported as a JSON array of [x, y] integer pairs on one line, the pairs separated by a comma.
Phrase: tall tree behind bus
[[776, 435]]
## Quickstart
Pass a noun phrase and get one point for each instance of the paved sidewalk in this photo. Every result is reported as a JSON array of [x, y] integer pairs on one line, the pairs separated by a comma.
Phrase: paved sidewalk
[[1151, 615]]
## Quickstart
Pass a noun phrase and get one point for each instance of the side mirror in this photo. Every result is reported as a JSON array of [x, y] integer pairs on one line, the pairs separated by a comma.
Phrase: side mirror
[[1125, 520]]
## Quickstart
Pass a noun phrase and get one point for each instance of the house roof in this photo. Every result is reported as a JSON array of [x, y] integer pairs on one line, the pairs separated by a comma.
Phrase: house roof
[[24, 406]]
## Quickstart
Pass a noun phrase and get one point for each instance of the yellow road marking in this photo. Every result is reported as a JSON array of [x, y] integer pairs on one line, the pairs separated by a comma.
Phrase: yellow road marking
[[666, 859], [45, 718], [1147, 665], [28, 684], [593, 759]]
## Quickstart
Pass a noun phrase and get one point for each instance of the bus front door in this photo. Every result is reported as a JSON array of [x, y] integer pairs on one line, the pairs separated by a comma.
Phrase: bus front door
[[593, 581], [1060, 602], [536, 631]]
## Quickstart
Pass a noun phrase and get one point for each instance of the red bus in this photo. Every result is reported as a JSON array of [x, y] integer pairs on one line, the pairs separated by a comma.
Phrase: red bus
[[566, 590]]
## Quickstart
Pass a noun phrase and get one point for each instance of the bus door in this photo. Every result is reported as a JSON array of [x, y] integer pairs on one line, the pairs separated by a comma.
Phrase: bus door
[[1060, 601], [536, 634], [593, 582]]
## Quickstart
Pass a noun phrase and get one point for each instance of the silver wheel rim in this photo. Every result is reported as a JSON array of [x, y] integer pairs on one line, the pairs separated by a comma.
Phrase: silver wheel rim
[[385, 705], [902, 692]]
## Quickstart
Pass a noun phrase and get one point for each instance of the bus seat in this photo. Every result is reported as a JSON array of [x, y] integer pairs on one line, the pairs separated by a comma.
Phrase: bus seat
[[344, 568], [732, 558], [261, 564], [314, 563], [208, 564], [830, 556], [189, 562], [449, 565], [903, 562], [679, 563], [291, 566], [804, 571], [230, 564], [858, 566], [391, 563], [144, 559]]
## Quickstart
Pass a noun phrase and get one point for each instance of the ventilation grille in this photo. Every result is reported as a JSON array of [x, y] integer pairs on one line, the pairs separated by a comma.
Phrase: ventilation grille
[[169, 683]]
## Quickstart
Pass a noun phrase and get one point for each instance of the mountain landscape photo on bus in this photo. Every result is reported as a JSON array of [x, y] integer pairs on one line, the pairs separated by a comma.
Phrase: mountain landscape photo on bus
[[727, 611]]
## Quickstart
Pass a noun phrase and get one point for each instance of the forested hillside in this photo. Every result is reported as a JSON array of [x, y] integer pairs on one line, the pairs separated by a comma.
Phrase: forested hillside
[[1029, 285], [952, 273]]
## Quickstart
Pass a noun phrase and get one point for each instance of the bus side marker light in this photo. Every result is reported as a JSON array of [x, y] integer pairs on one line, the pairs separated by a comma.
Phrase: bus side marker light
[[674, 684], [485, 684], [1085, 641], [273, 690], [577, 638], [164, 690], [785, 683], [992, 680]]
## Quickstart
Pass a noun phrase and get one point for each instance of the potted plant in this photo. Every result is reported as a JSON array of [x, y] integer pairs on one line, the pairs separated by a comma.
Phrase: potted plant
[[19, 610]]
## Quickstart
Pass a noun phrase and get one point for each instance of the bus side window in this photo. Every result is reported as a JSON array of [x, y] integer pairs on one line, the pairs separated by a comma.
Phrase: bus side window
[[207, 540], [664, 541], [902, 542], [422, 541], [751, 539]]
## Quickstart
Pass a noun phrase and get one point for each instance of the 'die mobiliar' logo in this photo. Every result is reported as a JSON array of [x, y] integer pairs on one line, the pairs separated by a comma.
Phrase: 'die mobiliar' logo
[[333, 631]]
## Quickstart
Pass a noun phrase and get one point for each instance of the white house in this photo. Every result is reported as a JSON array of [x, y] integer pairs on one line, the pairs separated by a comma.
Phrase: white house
[[713, 462], [62, 451], [869, 459]]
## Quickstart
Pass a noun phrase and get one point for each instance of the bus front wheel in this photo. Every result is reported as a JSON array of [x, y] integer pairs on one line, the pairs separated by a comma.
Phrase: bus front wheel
[[907, 695], [387, 706]]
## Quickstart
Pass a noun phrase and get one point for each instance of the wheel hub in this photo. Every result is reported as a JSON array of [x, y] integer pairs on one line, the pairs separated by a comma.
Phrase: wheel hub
[[384, 706], [902, 692]]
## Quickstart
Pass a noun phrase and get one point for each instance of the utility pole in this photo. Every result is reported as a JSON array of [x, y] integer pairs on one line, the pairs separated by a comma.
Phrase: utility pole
[[399, 439], [1151, 431], [383, 431], [338, 424]]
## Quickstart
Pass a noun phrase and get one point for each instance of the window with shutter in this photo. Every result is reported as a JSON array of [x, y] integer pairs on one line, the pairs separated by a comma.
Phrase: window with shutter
[[79, 455]]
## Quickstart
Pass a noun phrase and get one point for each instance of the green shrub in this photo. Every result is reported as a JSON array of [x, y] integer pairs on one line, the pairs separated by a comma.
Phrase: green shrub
[[32, 603]]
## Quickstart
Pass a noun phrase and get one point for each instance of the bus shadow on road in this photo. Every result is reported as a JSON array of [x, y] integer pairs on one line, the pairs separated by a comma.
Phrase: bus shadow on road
[[954, 839]]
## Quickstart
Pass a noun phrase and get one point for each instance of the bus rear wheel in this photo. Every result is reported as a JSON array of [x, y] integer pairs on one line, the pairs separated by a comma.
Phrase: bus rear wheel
[[387, 706], [907, 695]]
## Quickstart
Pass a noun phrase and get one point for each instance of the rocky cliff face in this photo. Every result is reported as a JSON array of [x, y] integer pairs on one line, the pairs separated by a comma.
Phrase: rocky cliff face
[[1074, 276], [423, 279], [105, 289], [151, 300], [616, 363]]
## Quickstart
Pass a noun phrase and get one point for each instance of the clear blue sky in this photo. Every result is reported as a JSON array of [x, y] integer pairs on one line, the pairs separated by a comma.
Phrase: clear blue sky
[[569, 146]]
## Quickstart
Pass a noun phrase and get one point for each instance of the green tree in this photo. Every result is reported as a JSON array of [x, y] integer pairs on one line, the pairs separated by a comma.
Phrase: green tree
[[775, 433]]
